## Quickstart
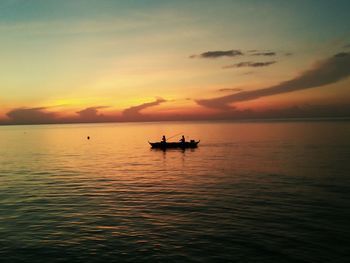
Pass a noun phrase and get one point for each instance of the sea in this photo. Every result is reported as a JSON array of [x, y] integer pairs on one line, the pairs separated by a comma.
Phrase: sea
[[253, 191]]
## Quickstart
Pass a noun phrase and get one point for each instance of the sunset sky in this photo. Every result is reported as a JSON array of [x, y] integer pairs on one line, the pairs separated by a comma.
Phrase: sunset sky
[[91, 61]]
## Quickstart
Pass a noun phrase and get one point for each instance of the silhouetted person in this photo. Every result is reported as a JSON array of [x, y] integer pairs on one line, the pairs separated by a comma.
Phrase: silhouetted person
[[182, 140], [88, 137], [163, 139]]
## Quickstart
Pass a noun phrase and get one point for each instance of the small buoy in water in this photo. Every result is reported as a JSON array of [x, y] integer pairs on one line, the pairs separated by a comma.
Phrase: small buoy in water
[[88, 137]]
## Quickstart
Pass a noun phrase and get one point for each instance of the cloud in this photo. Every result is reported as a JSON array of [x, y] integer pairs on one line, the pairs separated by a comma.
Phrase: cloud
[[40, 115], [296, 111], [269, 53], [134, 113], [231, 89], [307, 111], [342, 54], [237, 52], [323, 73], [250, 64], [91, 112], [31, 116], [218, 53], [255, 52]]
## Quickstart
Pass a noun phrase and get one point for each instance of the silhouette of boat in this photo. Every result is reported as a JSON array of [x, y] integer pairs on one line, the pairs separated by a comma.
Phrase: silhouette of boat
[[183, 145]]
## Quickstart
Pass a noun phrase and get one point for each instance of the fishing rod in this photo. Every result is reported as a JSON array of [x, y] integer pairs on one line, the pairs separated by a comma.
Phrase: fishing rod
[[175, 135]]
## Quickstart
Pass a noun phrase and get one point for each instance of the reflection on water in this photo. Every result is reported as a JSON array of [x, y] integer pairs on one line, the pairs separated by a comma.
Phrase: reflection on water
[[251, 192]]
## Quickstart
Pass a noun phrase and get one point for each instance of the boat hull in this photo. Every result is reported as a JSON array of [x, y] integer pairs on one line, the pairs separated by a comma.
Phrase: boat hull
[[166, 145]]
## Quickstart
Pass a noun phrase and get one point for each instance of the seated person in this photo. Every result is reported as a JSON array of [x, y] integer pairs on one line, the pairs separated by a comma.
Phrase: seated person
[[182, 139]]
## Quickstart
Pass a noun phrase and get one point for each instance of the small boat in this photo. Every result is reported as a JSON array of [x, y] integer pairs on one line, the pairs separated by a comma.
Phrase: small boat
[[183, 145]]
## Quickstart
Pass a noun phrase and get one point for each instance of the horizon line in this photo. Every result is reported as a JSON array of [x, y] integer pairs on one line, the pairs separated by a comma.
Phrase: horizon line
[[282, 119]]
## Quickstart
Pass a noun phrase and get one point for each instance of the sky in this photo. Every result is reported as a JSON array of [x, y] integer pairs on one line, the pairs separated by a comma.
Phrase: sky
[[103, 61]]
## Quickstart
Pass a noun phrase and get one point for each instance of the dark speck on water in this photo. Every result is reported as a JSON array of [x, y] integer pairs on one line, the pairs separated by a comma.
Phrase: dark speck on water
[[252, 192]]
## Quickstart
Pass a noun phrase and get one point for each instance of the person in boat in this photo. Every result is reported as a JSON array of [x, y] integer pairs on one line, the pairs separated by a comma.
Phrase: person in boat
[[182, 140], [163, 139]]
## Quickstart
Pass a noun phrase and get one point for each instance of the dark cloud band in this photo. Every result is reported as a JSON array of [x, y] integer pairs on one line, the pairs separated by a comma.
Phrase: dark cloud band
[[326, 72], [250, 64], [134, 113], [218, 53], [31, 116], [267, 54]]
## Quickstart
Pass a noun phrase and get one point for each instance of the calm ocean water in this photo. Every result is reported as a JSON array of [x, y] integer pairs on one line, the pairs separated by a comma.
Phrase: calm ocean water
[[251, 192]]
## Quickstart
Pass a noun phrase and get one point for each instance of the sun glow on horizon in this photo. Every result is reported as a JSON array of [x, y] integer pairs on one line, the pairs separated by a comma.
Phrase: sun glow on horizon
[[111, 60]]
